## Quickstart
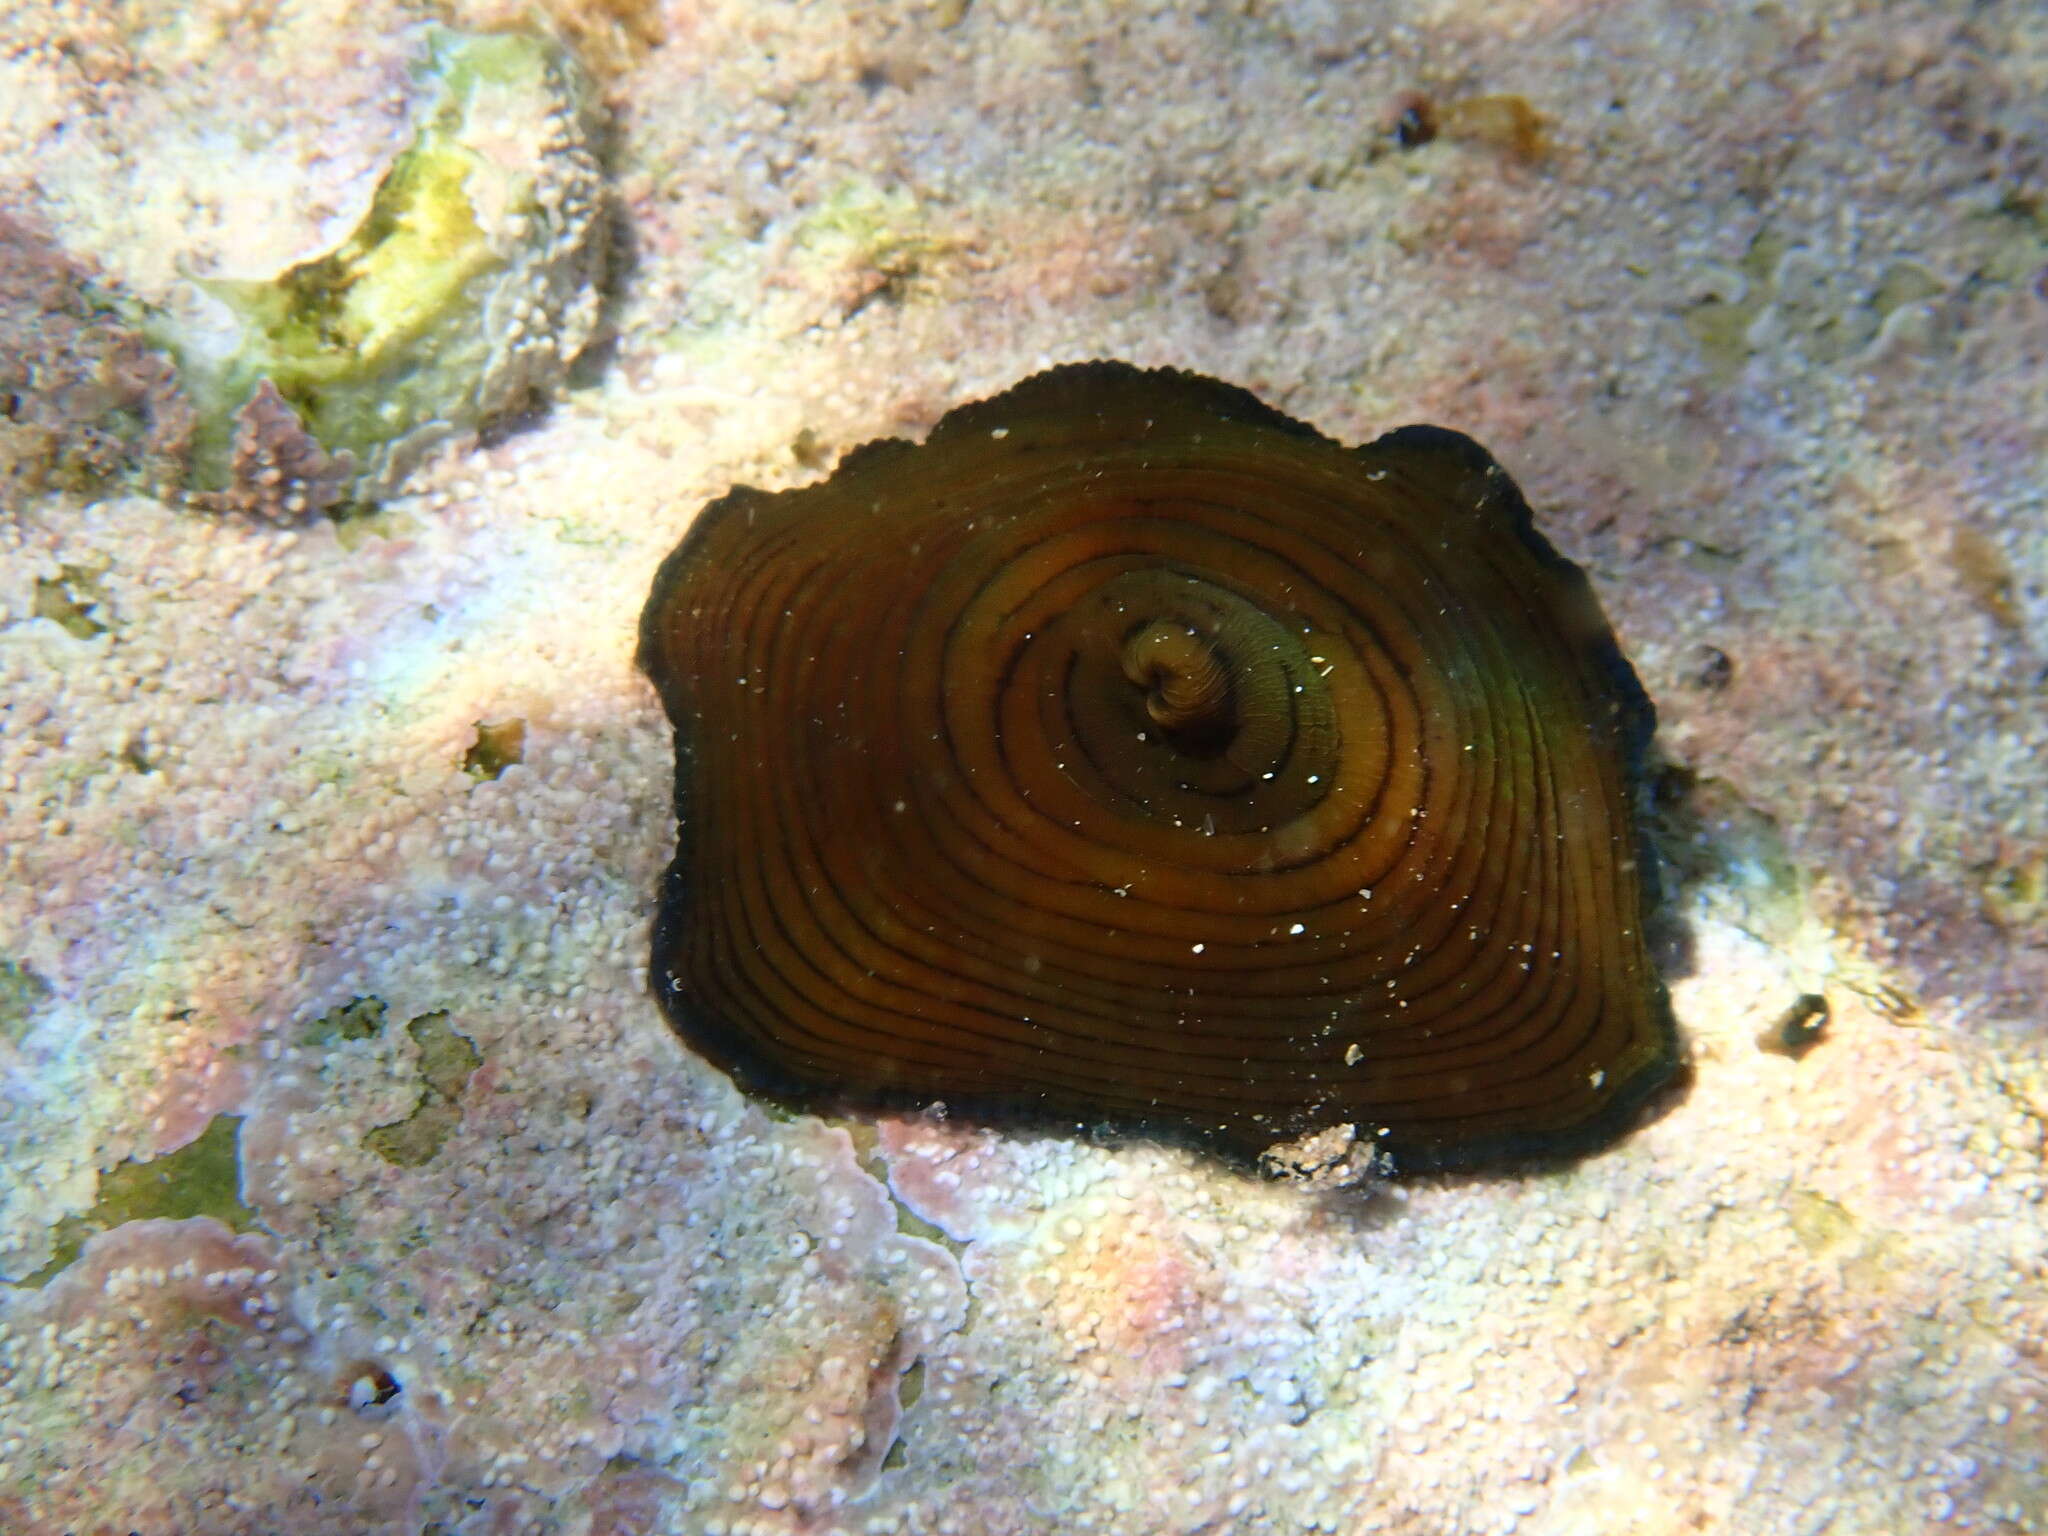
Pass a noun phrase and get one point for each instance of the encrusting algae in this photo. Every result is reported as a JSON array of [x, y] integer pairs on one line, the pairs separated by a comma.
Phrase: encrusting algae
[[469, 287]]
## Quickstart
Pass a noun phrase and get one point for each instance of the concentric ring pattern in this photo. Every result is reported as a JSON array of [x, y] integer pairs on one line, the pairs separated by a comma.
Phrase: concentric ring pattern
[[1131, 755]]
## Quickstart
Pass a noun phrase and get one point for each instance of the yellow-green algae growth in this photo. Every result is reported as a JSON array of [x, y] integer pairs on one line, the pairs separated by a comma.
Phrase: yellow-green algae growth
[[22, 991], [201, 1178], [446, 1060], [444, 1064], [468, 286]]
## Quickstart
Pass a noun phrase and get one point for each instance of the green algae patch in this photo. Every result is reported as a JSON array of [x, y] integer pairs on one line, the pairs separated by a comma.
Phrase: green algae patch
[[867, 243], [864, 223], [201, 1178], [499, 744], [2014, 893], [1720, 323], [22, 992], [360, 1018], [1820, 1224], [1781, 294], [70, 600], [417, 1139], [467, 288], [446, 1060]]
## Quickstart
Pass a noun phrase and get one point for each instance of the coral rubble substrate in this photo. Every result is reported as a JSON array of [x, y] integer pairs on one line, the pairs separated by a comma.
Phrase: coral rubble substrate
[[1759, 322]]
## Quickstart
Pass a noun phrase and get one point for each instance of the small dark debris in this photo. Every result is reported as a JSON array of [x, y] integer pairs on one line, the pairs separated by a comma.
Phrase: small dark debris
[[1414, 120], [900, 71], [1224, 296], [1798, 1029], [808, 449], [367, 1386], [1711, 670]]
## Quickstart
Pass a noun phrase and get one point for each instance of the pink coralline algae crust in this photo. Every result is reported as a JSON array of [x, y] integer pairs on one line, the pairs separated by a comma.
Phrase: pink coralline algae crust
[[86, 400], [612, 1321], [1812, 1294], [1202, 1336], [169, 1375], [241, 1398], [1251, 1354], [627, 1500], [277, 468]]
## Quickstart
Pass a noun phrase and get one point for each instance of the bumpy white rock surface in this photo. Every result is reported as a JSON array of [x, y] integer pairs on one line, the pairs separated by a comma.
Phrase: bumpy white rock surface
[[1760, 327]]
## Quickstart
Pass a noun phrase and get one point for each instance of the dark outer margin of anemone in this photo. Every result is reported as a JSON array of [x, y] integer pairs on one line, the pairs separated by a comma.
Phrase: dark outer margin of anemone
[[1490, 487]]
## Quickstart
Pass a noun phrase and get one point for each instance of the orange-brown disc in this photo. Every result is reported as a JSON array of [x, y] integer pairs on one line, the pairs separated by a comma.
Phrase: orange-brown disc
[[1131, 755]]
